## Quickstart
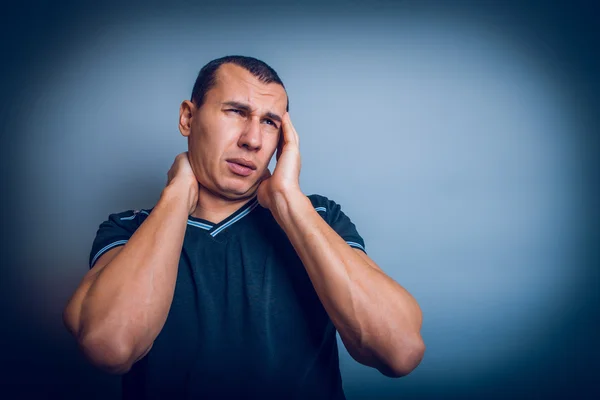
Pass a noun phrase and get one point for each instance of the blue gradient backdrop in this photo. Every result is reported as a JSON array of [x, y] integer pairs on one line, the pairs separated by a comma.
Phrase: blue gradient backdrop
[[461, 139]]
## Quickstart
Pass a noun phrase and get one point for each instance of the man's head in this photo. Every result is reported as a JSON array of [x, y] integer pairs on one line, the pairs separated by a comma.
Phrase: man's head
[[233, 118]]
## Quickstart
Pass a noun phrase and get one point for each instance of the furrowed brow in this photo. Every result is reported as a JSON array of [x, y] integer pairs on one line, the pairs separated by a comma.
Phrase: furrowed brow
[[236, 104], [273, 116], [246, 108]]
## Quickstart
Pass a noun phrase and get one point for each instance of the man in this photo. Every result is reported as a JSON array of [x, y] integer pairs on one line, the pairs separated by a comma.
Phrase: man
[[234, 284]]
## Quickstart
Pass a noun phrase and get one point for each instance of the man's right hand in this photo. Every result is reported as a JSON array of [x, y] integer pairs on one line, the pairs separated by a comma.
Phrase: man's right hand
[[182, 177]]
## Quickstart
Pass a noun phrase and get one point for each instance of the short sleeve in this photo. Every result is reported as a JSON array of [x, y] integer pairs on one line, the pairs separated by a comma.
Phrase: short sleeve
[[115, 231], [338, 221]]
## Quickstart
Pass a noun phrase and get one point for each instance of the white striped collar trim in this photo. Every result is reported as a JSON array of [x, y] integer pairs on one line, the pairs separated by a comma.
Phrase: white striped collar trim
[[207, 227], [251, 206], [200, 225]]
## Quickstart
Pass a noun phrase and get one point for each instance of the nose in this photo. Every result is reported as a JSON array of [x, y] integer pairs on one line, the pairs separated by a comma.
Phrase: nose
[[251, 137]]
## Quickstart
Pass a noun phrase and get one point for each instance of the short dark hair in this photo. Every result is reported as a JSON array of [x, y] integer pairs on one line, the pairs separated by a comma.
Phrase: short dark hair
[[207, 76]]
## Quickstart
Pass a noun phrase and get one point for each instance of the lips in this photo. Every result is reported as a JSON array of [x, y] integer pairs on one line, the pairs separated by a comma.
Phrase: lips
[[241, 166], [243, 162]]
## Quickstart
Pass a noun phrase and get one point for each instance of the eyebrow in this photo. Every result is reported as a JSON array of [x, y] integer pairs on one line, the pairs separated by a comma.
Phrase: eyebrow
[[248, 109]]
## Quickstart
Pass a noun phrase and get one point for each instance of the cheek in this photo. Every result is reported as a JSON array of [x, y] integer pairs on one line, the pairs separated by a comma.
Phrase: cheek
[[201, 157], [271, 142], [225, 134], [209, 141]]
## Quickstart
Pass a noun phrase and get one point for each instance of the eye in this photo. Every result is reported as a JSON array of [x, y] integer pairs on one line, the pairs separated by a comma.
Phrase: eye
[[235, 110], [270, 122]]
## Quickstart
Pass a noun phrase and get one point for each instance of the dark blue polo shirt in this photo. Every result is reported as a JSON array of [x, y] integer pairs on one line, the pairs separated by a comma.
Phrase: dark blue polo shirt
[[245, 321]]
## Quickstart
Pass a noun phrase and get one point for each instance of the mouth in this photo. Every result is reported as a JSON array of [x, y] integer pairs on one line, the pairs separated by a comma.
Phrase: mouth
[[243, 162], [241, 167]]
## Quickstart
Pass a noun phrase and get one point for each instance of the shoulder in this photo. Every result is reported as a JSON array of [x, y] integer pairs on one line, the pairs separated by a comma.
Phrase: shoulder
[[128, 219], [116, 231], [129, 215], [332, 213], [326, 207], [319, 200]]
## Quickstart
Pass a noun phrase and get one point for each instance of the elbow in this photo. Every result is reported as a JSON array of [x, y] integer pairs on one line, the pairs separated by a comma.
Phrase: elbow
[[101, 349], [69, 320], [108, 354], [406, 359]]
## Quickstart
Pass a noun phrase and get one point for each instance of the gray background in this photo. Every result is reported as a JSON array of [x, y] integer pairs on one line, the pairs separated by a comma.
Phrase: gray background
[[460, 139]]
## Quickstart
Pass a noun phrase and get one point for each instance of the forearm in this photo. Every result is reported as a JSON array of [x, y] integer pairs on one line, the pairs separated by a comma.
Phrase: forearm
[[127, 303], [378, 320]]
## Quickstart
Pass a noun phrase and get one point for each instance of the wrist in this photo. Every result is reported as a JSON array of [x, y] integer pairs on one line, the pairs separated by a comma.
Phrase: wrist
[[180, 194], [288, 202]]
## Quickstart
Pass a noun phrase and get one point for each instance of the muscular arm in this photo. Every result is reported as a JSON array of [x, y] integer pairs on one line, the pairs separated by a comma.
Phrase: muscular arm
[[378, 320], [122, 303]]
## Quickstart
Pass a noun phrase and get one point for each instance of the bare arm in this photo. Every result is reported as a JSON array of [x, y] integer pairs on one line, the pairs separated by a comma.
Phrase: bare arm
[[122, 303], [378, 320]]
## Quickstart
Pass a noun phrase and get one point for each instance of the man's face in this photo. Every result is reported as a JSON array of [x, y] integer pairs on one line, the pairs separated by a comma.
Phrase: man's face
[[235, 132]]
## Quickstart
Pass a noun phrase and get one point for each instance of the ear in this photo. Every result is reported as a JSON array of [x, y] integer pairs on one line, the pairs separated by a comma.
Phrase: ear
[[186, 114]]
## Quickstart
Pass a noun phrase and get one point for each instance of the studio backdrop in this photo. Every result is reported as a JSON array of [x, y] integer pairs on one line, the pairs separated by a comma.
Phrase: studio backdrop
[[457, 139]]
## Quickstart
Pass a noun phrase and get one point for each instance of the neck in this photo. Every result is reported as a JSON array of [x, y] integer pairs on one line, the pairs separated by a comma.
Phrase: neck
[[214, 208]]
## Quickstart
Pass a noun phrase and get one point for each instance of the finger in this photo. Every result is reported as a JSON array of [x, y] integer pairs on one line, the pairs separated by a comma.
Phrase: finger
[[294, 134], [279, 147], [289, 132]]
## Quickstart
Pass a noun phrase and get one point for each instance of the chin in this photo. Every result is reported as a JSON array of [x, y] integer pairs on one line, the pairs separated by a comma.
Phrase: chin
[[238, 190]]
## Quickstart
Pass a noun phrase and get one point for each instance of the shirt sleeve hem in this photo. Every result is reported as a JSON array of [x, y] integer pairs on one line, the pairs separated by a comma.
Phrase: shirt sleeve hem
[[357, 246], [105, 249]]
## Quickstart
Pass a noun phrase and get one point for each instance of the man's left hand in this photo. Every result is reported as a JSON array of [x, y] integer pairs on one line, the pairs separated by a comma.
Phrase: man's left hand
[[285, 179]]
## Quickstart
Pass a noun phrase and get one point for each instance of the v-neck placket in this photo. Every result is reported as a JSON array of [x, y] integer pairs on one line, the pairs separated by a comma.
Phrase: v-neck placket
[[214, 229]]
